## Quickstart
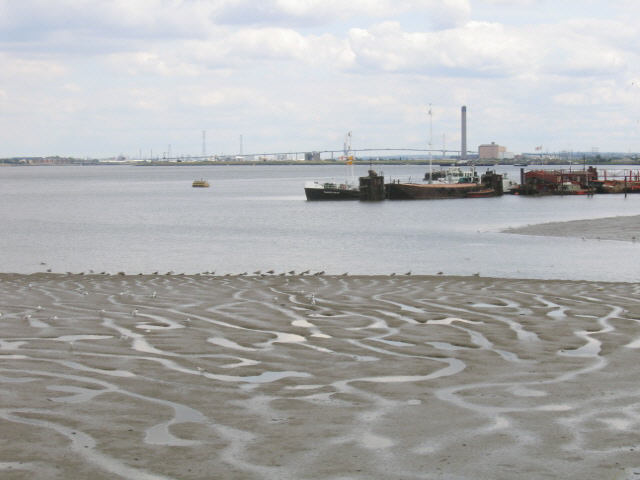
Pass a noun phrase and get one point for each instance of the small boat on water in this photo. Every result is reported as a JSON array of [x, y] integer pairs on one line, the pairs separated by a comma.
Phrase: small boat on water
[[331, 191], [347, 190], [453, 175], [200, 183]]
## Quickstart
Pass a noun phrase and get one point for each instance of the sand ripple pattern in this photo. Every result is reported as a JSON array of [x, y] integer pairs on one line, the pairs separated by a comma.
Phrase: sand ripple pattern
[[294, 377]]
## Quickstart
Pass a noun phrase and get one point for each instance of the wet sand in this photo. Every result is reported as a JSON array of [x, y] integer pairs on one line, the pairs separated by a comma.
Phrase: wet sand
[[315, 377], [625, 228]]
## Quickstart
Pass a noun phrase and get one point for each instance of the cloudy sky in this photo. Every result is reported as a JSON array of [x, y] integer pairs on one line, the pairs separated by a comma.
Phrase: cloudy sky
[[108, 77]]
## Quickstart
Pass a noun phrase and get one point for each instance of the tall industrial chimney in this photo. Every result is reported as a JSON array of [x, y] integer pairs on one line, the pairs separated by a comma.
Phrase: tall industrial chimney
[[463, 146]]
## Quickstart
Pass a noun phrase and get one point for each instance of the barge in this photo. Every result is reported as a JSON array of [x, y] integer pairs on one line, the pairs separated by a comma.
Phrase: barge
[[489, 185], [577, 182]]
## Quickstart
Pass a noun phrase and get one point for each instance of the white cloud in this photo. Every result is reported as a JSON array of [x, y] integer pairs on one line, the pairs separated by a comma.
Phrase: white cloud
[[305, 71], [317, 12]]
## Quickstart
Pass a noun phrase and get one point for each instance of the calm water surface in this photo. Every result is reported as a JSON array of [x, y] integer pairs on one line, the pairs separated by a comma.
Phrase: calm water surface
[[143, 219]]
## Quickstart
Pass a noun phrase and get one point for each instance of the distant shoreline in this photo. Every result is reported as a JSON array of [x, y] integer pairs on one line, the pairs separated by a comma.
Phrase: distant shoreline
[[47, 161]]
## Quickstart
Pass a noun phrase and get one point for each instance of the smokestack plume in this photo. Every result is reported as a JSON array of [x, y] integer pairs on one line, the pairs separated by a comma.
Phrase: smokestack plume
[[463, 146]]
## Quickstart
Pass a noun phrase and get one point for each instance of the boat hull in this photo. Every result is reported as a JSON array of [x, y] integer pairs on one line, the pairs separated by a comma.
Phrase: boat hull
[[416, 191], [331, 194]]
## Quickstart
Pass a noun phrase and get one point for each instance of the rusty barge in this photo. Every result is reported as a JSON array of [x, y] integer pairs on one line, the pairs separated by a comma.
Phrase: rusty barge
[[373, 188], [577, 182], [489, 185]]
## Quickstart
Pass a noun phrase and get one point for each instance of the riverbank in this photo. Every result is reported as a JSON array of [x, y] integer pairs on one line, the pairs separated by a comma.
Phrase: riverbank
[[316, 377]]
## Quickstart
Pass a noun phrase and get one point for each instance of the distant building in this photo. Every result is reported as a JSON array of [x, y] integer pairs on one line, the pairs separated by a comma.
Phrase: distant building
[[491, 151], [312, 156]]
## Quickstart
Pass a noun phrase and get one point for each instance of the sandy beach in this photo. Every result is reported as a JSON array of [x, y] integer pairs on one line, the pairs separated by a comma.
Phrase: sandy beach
[[625, 228], [317, 377]]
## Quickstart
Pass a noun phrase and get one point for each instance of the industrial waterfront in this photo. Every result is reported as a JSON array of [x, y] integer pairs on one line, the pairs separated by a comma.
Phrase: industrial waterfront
[[135, 220]]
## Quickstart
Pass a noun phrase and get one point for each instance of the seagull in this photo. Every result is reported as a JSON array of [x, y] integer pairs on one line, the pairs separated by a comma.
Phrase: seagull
[[393, 274], [319, 273], [305, 272], [476, 274], [408, 273], [270, 272], [154, 294], [291, 272], [439, 273], [134, 312], [257, 272]]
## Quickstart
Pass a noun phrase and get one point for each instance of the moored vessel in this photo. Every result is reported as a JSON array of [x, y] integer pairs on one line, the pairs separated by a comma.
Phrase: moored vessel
[[202, 183], [331, 191], [347, 190], [490, 185]]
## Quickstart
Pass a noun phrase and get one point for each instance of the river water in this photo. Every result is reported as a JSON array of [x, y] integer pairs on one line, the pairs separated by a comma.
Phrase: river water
[[146, 219]]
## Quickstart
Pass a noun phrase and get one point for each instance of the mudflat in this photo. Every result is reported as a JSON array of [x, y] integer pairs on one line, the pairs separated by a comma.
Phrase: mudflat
[[317, 377], [624, 228]]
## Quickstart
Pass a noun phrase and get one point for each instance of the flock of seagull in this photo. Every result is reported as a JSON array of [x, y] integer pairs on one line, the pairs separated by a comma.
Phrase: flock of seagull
[[259, 273]]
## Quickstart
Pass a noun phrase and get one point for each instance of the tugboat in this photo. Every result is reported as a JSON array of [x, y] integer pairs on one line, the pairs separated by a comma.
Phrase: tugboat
[[331, 191], [348, 190]]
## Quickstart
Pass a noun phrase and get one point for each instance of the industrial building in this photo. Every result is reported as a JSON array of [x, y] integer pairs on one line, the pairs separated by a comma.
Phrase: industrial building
[[491, 151]]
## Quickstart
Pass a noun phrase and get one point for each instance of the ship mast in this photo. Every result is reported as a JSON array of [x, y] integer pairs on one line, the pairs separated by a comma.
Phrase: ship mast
[[347, 155], [430, 144]]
